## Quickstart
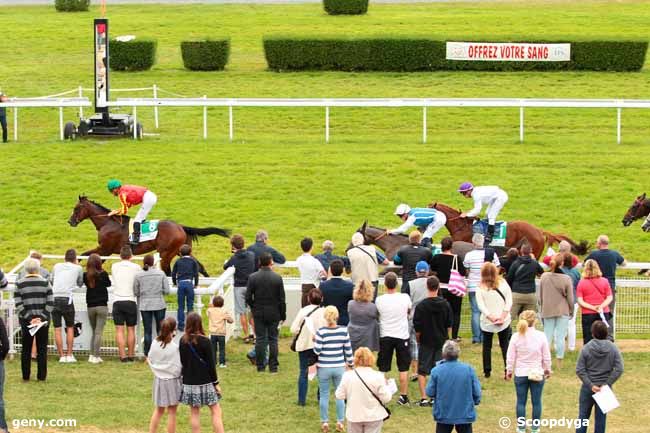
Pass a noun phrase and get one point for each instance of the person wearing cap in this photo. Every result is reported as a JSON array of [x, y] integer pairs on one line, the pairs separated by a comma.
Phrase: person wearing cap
[[418, 292], [492, 196], [426, 219], [130, 195], [3, 117], [408, 256]]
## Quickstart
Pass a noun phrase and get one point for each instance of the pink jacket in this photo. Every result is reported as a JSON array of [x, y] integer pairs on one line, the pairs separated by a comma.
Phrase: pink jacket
[[528, 351]]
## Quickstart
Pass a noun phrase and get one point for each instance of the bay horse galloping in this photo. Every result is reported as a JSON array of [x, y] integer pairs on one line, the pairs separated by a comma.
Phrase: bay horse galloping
[[518, 232], [113, 233], [639, 209]]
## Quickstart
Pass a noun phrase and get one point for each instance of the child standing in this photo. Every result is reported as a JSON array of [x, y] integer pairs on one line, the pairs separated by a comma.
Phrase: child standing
[[165, 362], [218, 316]]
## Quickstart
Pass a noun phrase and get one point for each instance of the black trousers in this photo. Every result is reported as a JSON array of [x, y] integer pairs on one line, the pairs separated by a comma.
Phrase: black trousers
[[41, 351], [588, 320], [504, 340], [455, 302], [3, 122], [448, 428]]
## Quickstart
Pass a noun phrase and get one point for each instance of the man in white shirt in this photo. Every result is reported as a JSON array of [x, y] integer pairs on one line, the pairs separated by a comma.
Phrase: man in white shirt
[[125, 309], [311, 270], [66, 277], [473, 262], [394, 309], [492, 196]]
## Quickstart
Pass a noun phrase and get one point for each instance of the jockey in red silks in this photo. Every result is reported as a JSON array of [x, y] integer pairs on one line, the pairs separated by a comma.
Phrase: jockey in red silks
[[131, 195]]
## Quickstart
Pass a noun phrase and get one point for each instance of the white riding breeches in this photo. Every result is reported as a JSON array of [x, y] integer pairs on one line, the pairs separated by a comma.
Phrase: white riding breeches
[[439, 221], [495, 206], [148, 201]]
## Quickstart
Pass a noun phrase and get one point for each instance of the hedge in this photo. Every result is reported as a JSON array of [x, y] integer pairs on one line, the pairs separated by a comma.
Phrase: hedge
[[406, 55], [207, 55], [71, 5], [134, 55], [345, 7]]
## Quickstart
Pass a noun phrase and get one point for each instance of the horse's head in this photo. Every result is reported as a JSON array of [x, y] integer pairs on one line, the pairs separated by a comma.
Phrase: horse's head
[[636, 211], [80, 212]]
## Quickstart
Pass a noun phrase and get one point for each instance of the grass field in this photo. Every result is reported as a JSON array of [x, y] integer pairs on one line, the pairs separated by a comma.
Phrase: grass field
[[278, 174]]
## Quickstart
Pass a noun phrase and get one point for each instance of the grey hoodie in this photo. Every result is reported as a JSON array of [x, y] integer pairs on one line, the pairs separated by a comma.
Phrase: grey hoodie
[[600, 363]]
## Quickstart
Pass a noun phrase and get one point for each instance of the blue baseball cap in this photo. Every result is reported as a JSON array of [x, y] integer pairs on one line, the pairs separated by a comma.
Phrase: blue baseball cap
[[422, 266]]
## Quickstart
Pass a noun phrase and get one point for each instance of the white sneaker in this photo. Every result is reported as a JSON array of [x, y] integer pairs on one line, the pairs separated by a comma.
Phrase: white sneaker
[[98, 360], [93, 359], [63, 360], [71, 359], [222, 366]]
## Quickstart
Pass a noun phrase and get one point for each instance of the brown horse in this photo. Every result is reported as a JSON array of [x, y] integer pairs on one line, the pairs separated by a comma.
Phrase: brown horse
[[391, 243], [518, 233], [639, 209], [113, 233]]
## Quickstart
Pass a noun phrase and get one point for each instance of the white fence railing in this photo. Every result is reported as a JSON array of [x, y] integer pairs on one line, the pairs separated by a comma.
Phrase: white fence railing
[[424, 103]]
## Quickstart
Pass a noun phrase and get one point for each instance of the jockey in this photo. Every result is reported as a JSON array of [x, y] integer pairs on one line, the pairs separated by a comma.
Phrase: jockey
[[130, 195], [492, 196], [423, 218]]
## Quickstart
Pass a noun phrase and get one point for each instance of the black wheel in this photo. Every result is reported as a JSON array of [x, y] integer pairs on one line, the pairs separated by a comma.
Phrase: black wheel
[[83, 129], [138, 131], [69, 131]]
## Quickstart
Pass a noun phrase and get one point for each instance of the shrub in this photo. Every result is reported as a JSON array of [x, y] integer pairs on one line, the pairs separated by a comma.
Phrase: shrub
[[135, 55], [345, 7], [71, 5], [208, 55], [406, 55]]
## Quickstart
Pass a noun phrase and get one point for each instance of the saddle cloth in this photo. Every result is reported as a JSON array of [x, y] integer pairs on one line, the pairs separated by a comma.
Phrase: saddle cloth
[[148, 230], [500, 229]]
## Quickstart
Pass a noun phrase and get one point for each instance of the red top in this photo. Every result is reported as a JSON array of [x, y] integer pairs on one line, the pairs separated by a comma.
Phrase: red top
[[593, 291], [547, 260], [130, 195]]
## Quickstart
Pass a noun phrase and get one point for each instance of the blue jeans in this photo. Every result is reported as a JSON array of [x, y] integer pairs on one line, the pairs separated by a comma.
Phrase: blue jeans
[[477, 335], [586, 402], [266, 335], [148, 317], [3, 421], [185, 292], [522, 385], [556, 329], [325, 374], [303, 383], [219, 346]]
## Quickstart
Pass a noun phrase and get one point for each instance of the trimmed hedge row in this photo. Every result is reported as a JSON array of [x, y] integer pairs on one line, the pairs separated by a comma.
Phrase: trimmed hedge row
[[135, 55], [345, 7], [406, 55], [208, 55], [71, 5]]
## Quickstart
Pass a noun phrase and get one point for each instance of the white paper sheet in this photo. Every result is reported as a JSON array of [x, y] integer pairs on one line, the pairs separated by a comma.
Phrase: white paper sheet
[[606, 399], [392, 386], [603, 318], [312, 372]]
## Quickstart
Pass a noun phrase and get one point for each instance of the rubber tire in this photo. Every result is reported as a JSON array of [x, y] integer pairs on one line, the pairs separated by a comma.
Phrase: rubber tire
[[69, 131], [83, 129], [139, 131]]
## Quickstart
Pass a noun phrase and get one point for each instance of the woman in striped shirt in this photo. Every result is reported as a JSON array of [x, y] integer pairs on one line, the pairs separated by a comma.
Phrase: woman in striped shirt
[[332, 346]]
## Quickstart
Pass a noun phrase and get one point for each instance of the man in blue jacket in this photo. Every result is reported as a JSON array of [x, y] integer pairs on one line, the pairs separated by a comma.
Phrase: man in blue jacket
[[455, 389]]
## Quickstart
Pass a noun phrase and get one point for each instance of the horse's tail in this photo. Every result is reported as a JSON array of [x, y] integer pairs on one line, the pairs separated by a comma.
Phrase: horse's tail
[[578, 248], [206, 231]]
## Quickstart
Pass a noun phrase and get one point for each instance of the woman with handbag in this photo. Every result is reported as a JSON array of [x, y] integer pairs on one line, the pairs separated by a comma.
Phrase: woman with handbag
[[200, 383], [594, 296], [494, 300], [529, 360], [445, 266], [303, 340], [366, 393], [556, 305]]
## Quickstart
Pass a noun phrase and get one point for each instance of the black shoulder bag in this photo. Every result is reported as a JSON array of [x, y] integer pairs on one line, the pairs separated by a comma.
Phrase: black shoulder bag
[[374, 395], [295, 338]]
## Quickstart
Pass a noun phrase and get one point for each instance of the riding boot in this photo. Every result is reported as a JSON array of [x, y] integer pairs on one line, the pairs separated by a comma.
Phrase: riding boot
[[426, 242], [135, 237], [488, 236]]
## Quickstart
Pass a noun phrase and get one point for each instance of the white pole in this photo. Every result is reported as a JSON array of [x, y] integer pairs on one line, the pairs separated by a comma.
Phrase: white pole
[[155, 107], [205, 119], [618, 125], [135, 122], [15, 123], [327, 124], [521, 123], [424, 124], [230, 121], [81, 109], [61, 123]]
